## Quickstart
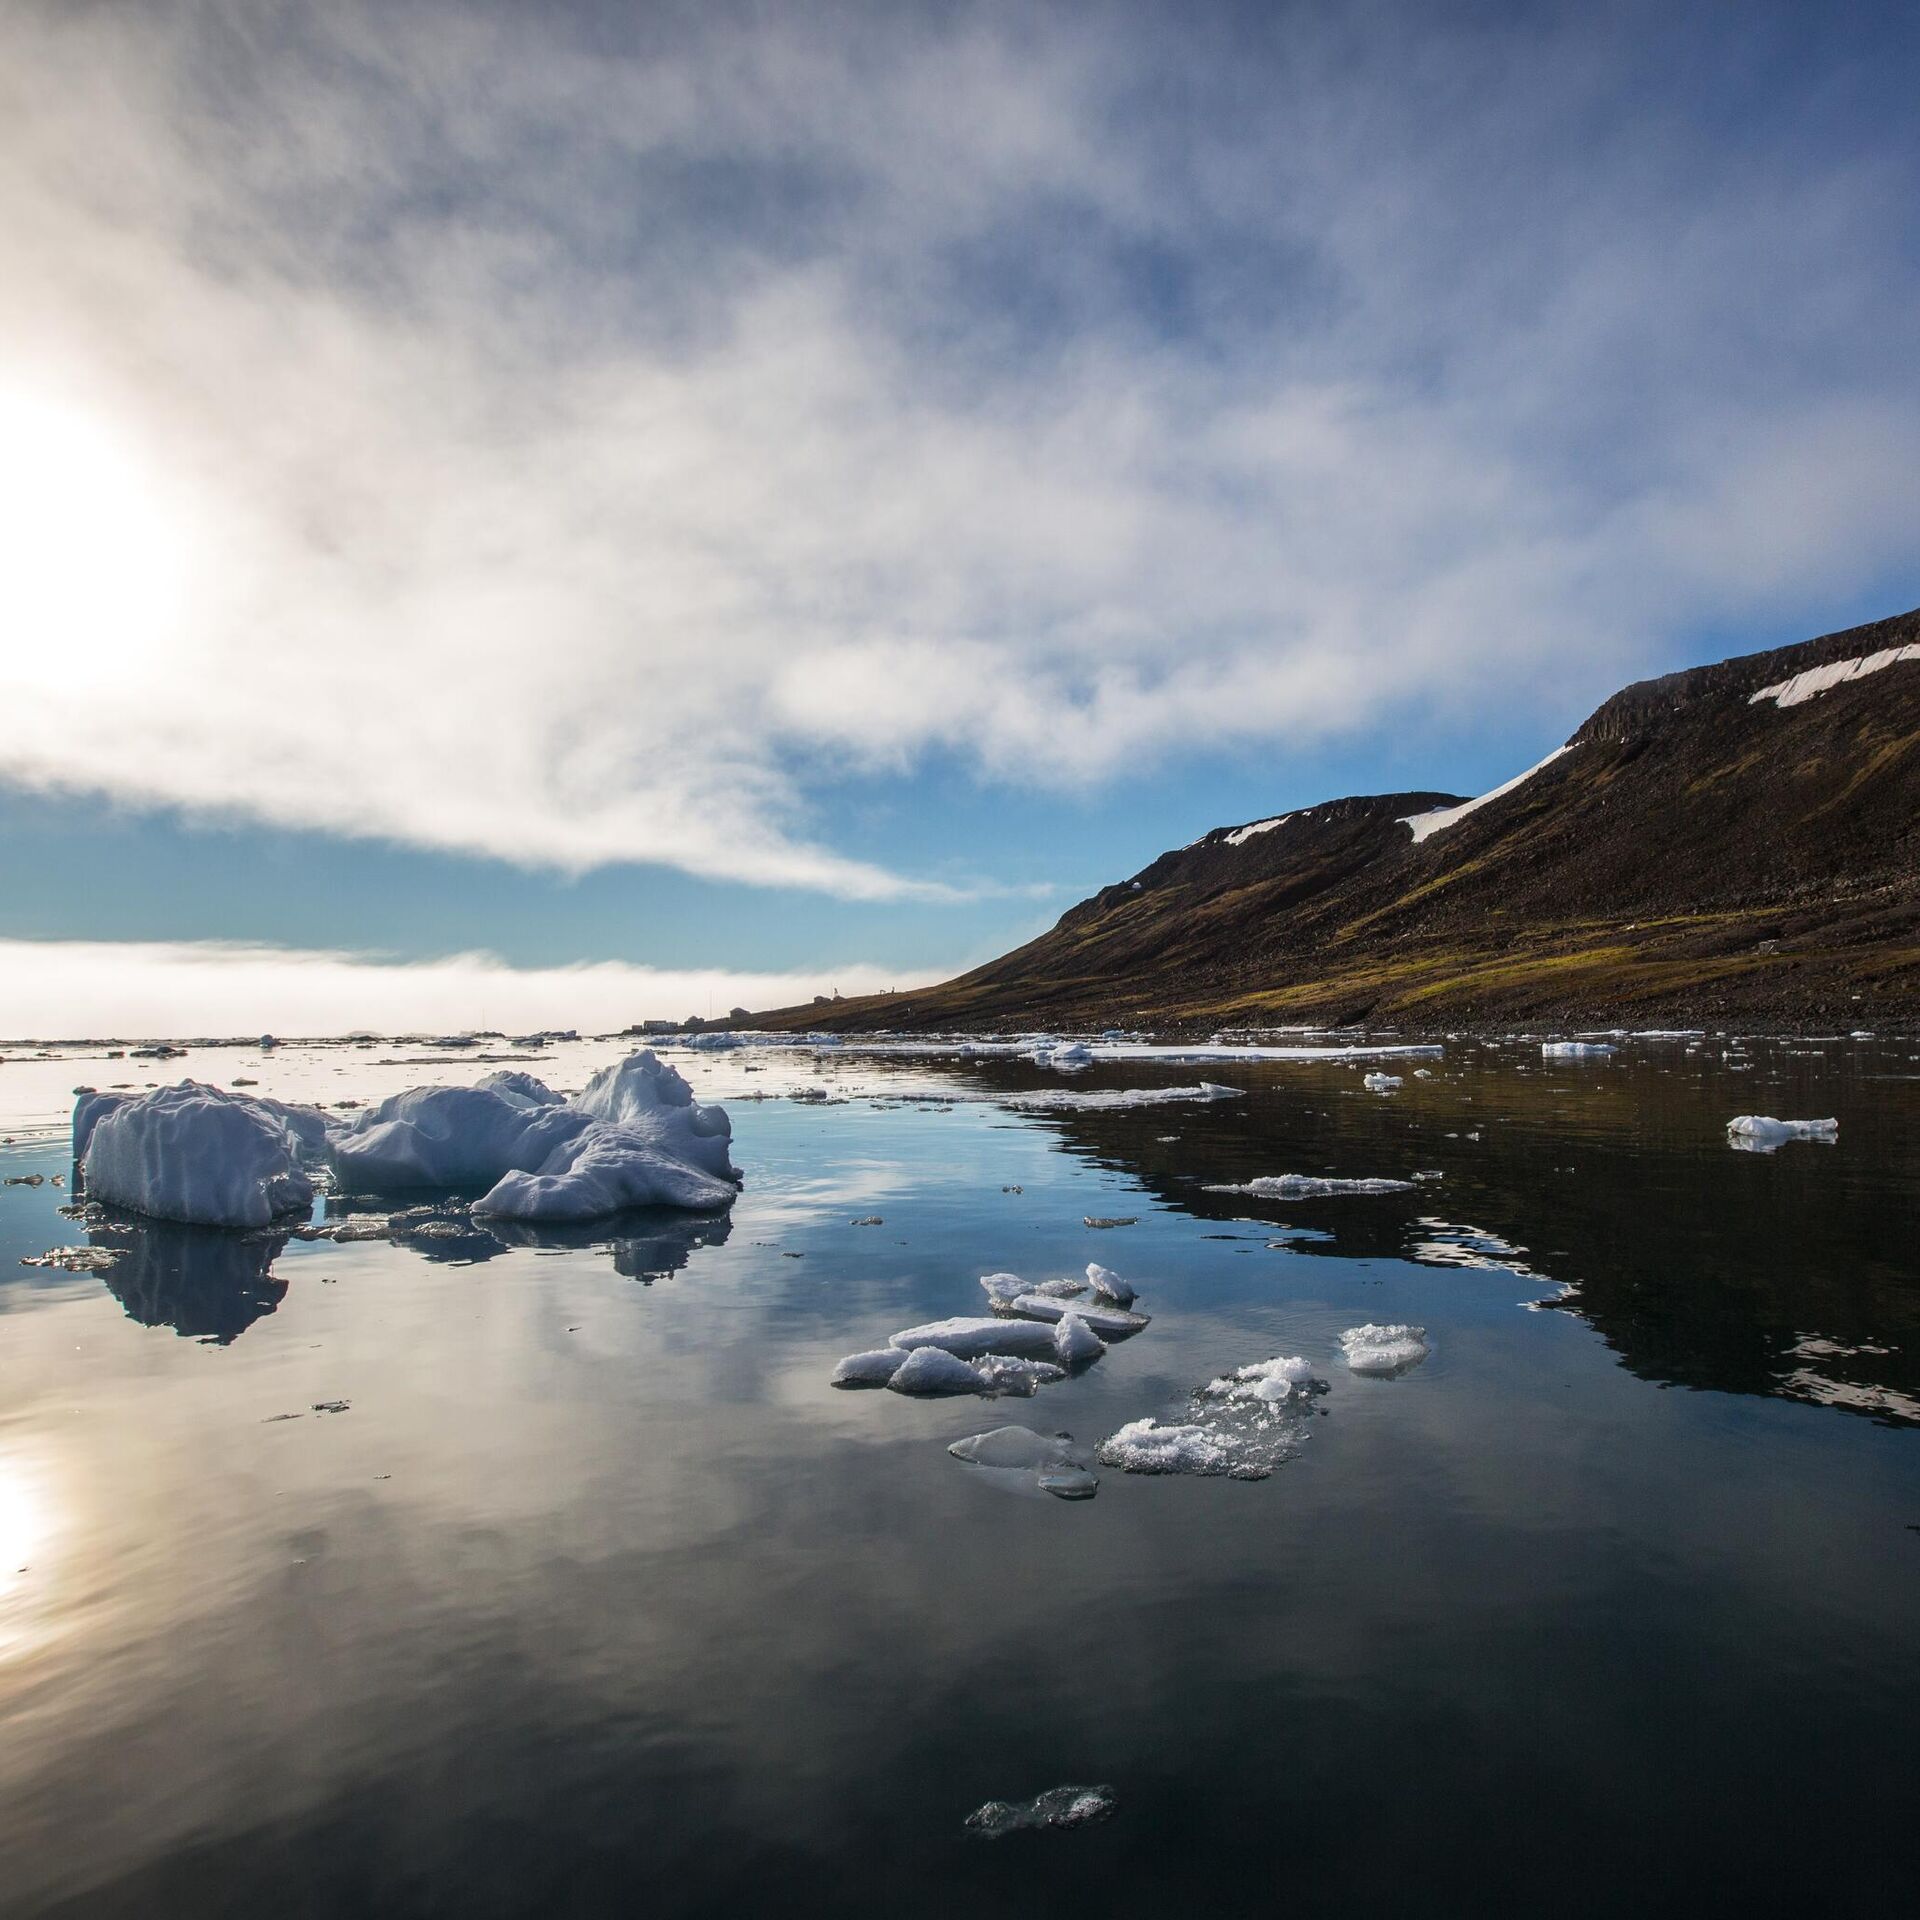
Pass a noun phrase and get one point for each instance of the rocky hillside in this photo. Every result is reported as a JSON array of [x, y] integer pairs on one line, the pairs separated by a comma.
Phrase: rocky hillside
[[1737, 841]]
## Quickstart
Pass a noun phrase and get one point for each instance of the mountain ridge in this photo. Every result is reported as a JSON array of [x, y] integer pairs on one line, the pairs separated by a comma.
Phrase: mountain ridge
[[1734, 840]]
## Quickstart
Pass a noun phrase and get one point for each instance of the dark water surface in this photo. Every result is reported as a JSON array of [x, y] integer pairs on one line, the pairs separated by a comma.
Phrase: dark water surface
[[596, 1598]]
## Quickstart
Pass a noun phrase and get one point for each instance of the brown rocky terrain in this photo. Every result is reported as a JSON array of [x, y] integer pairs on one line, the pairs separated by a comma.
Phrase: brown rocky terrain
[[1696, 852]]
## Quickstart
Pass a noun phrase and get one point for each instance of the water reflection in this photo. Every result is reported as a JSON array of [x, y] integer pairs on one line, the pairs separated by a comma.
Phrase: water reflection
[[647, 1243], [206, 1283]]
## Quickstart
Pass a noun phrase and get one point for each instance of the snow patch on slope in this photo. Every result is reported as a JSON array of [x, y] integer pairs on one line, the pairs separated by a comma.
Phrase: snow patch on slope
[[1424, 825], [1817, 680]]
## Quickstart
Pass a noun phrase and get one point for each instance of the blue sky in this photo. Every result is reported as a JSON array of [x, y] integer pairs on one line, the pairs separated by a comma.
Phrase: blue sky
[[812, 492]]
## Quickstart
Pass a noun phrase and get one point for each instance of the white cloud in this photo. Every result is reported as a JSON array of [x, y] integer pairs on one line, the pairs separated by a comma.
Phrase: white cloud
[[82, 989], [424, 426]]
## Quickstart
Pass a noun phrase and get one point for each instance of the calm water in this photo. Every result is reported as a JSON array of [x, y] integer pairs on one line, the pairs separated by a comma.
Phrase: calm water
[[598, 1599]]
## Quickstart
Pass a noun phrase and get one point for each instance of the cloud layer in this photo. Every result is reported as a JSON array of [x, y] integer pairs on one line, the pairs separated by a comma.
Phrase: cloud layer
[[581, 438], [92, 989]]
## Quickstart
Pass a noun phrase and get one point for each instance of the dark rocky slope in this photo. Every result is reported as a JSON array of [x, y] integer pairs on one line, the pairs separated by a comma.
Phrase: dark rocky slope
[[1695, 852]]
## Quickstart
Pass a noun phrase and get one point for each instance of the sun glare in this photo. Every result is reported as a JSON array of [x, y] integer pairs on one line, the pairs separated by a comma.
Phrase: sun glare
[[95, 555]]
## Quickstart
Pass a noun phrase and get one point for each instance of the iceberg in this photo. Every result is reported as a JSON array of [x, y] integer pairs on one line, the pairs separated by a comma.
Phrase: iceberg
[[1049, 1462], [1108, 1285], [1384, 1350], [1382, 1082], [635, 1136], [1574, 1049], [1006, 1373], [1005, 1288], [194, 1154], [1760, 1133]]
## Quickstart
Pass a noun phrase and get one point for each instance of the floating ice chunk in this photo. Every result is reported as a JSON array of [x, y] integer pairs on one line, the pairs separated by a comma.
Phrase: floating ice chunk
[[873, 1368], [1108, 1285], [1018, 1448], [1009, 1373], [1066, 1099], [1110, 1220], [1271, 1381], [1759, 1133], [968, 1338], [1310, 1186], [1574, 1049], [194, 1154], [1144, 1446], [932, 1370], [1070, 1054], [1005, 1288], [643, 1088], [1110, 1323], [1057, 1807], [606, 1169], [1388, 1349], [1382, 1082], [1075, 1342]]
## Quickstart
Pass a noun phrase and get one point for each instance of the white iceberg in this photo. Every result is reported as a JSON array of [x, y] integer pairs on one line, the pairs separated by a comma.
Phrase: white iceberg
[[195, 1154], [1310, 1186], [634, 1137], [1382, 1082], [1108, 1285], [1382, 1350], [1574, 1049], [1760, 1133]]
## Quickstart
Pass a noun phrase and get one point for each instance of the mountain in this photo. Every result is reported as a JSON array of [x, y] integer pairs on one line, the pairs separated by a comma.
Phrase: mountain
[[1738, 841]]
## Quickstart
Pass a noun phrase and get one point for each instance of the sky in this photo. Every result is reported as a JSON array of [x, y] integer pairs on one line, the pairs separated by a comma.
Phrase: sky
[[771, 498]]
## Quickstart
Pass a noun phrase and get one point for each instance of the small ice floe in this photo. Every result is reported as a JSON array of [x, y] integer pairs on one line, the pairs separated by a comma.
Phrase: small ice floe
[[1310, 1186], [1067, 1099], [1382, 1082], [967, 1336], [1007, 1373], [192, 1153], [1574, 1049], [1110, 1323], [1057, 1807], [867, 1220], [1271, 1381], [1759, 1133], [1004, 1288], [1145, 1446], [1075, 1342], [1108, 1285], [1423, 1073], [1384, 1350], [73, 1259], [933, 1370], [1049, 1462], [1107, 1220], [874, 1368]]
